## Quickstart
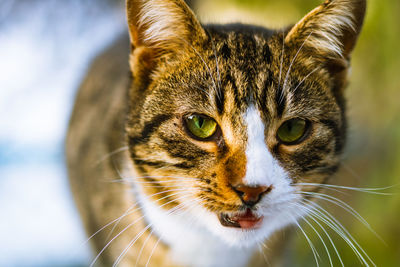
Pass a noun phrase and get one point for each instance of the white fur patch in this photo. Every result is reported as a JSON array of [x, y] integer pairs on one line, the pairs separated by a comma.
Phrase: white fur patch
[[262, 168], [164, 21], [327, 36], [191, 243]]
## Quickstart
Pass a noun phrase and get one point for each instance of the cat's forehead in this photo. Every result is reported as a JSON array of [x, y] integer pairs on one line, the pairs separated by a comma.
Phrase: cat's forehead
[[239, 66], [244, 51], [259, 69], [237, 59]]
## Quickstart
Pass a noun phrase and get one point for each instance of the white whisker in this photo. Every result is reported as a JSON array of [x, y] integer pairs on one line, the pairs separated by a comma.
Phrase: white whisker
[[328, 236], [144, 244], [202, 59], [344, 206], [217, 67], [171, 179], [305, 78], [335, 225], [290, 68], [152, 251], [282, 54], [314, 251], [358, 189], [128, 226], [133, 241], [118, 150], [310, 215], [318, 234], [261, 249]]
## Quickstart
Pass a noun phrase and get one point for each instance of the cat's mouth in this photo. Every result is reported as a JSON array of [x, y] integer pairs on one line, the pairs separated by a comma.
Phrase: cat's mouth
[[247, 220]]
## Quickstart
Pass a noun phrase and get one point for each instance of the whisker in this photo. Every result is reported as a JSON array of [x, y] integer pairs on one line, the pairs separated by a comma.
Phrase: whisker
[[202, 89], [261, 247], [314, 251], [156, 244], [330, 239], [335, 225], [167, 186], [344, 206], [108, 224], [305, 78], [337, 229], [218, 73], [318, 234], [120, 257], [144, 244], [152, 251], [358, 189], [118, 150], [202, 59], [322, 240], [126, 213], [139, 208], [290, 67], [136, 180], [170, 178], [133, 241], [280, 68], [311, 216], [128, 226], [194, 201]]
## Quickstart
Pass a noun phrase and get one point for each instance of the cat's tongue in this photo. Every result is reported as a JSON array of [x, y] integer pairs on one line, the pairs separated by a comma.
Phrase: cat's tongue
[[248, 220]]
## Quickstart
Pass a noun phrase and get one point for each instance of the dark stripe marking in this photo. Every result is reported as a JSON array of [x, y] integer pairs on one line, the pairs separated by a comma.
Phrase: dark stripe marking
[[149, 128], [280, 100], [333, 126], [267, 54], [159, 164], [225, 51], [179, 148], [220, 99]]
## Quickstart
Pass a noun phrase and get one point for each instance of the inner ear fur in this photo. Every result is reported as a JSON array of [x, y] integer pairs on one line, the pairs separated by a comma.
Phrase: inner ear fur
[[328, 35], [159, 29], [330, 30]]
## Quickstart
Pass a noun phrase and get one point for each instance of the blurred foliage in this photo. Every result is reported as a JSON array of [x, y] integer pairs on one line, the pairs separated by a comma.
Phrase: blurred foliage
[[373, 152]]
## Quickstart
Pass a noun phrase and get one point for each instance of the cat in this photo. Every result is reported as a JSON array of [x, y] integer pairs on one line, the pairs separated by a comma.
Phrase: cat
[[193, 145]]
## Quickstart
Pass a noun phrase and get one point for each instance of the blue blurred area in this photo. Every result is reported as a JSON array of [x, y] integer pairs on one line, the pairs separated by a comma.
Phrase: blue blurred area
[[45, 48]]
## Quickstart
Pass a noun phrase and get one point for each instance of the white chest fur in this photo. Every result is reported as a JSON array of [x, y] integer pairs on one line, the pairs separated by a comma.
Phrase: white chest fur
[[192, 244]]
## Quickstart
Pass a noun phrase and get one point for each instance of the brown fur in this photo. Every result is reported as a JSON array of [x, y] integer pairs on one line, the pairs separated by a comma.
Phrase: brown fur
[[213, 70]]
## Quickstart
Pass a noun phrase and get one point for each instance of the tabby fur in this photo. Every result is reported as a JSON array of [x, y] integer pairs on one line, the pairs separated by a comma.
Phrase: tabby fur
[[132, 162]]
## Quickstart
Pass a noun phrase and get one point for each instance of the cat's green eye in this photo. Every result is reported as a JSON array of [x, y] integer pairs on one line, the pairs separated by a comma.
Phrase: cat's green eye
[[200, 126], [291, 131]]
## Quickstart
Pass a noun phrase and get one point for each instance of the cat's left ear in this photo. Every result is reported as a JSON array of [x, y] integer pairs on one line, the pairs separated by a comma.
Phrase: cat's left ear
[[330, 31], [160, 29]]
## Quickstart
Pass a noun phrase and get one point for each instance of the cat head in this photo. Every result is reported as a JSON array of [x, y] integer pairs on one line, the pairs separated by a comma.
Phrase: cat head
[[228, 122]]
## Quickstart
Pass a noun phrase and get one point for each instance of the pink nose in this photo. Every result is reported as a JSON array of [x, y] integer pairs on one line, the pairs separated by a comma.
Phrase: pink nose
[[251, 195]]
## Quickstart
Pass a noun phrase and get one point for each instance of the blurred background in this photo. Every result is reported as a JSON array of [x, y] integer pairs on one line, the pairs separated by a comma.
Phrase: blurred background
[[46, 47]]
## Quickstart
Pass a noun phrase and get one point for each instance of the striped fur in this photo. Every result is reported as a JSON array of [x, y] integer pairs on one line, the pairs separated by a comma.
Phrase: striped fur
[[250, 80]]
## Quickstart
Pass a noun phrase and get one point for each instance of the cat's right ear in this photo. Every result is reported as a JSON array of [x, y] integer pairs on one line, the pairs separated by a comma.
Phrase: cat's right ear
[[159, 30]]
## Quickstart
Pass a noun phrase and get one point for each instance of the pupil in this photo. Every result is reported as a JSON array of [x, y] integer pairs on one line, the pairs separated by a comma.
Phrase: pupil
[[200, 122], [290, 127]]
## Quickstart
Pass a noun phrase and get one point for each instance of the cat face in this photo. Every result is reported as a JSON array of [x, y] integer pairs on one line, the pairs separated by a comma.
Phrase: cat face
[[228, 123]]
